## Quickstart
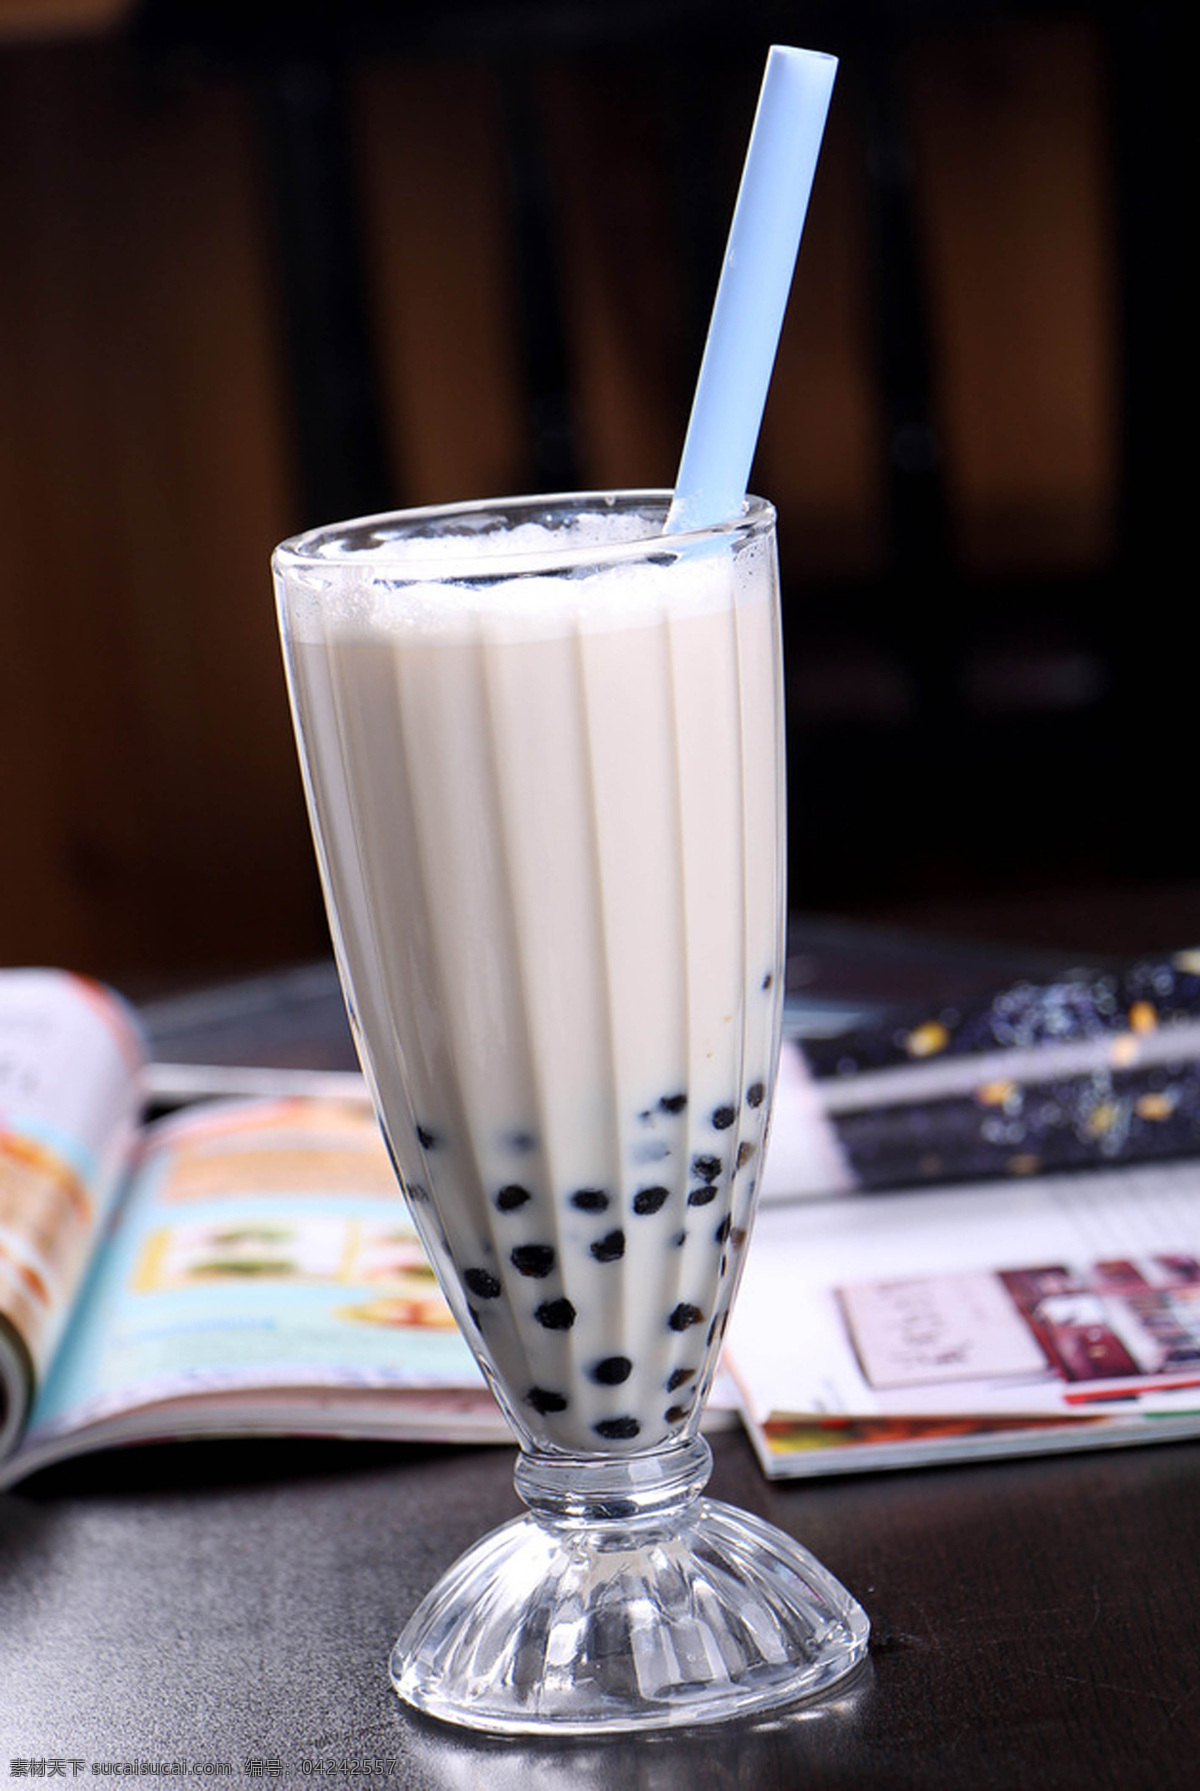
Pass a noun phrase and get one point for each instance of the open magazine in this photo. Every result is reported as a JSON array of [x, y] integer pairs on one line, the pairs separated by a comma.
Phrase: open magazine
[[245, 1266], [1009, 1317], [1003, 1255]]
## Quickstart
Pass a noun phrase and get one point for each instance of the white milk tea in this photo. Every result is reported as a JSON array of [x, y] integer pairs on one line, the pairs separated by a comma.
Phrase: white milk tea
[[545, 774]]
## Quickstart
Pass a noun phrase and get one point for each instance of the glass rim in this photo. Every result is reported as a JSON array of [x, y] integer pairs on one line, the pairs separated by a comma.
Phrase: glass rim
[[308, 550]]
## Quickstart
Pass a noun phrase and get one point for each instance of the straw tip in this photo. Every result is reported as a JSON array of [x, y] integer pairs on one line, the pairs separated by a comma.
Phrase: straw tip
[[792, 54]]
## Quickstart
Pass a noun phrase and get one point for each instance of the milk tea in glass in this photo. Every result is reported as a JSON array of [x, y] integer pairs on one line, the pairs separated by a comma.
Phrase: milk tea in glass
[[543, 750]]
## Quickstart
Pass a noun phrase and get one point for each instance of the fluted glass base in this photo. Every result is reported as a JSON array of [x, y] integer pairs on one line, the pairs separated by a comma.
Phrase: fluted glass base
[[624, 1601]]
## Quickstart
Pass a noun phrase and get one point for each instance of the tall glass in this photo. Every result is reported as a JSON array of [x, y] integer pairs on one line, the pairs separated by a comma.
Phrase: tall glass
[[543, 750]]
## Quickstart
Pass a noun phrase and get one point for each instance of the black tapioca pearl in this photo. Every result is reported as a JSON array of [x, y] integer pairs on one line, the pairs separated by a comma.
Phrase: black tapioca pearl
[[685, 1315], [721, 1234], [617, 1430], [512, 1197], [590, 1200], [723, 1118], [650, 1200], [521, 1142], [536, 1260], [417, 1192], [706, 1168], [674, 1413], [556, 1315], [427, 1139], [703, 1196], [544, 1401], [483, 1283], [680, 1378], [767, 980], [737, 1236], [723, 1267], [745, 1152], [679, 1240], [756, 1094], [609, 1248], [673, 1103], [612, 1371]]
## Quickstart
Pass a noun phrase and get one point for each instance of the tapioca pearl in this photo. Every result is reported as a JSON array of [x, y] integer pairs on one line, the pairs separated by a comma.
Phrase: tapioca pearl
[[556, 1315], [650, 1200], [723, 1118], [679, 1240], [609, 1248], [536, 1260], [675, 1413], [756, 1094], [673, 1103], [706, 1168], [589, 1200], [684, 1315], [482, 1283], [738, 1236], [521, 1142], [703, 1196], [617, 1430], [611, 1371], [417, 1192], [680, 1377], [721, 1234], [511, 1198], [745, 1151], [767, 980], [543, 1400], [427, 1138]]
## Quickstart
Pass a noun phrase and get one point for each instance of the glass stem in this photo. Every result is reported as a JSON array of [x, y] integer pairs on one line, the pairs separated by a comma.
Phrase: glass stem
[[583, 1490]]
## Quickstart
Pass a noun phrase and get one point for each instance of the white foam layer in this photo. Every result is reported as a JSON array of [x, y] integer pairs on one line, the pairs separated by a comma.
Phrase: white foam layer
[[585, 530], [523, 593]]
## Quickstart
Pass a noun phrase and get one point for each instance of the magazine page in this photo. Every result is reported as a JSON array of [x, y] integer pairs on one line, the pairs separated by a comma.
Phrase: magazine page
[[71, 1060], [1081, 1069], [877, 1330], [264, 1267]]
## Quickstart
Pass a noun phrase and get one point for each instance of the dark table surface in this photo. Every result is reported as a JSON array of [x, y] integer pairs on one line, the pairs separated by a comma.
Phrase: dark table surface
[[1035, 1623], [203, 1606]]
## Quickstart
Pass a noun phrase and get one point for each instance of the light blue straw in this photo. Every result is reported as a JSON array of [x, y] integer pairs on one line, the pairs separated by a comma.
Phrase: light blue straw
[[752, 294]]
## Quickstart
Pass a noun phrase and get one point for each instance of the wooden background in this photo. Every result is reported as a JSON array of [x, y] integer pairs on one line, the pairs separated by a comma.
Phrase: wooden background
[[150, 807]]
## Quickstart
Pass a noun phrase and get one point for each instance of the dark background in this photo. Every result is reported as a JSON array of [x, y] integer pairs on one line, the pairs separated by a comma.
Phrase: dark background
[[265, 266]]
